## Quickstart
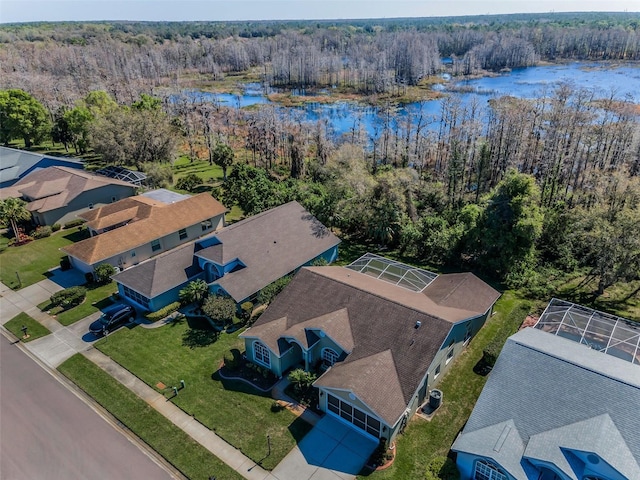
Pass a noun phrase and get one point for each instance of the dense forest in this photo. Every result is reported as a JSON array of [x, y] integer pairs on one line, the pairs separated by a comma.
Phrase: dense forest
[[529, 192]]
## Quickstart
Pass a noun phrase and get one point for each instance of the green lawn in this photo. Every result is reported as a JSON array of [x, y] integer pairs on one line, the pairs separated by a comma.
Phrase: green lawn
[[34, 329], [237, 412], [33, 259], [210, 174], [173, 444], [97, 299], [423, 440]]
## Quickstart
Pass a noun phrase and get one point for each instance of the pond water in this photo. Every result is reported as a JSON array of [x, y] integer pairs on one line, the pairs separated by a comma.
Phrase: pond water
[[623, 81]]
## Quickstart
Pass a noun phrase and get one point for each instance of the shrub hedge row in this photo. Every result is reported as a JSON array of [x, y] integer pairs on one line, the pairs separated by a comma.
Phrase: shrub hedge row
[[515, 319], [69, 297], [163, 312]]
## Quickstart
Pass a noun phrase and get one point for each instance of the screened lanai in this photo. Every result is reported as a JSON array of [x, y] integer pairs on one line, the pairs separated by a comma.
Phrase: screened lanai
[[120, 173], [600, 331], [415, 279]]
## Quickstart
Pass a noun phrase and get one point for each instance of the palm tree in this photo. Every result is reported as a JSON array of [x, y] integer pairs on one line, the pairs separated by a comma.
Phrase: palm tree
[[12, 211], [194, 292]]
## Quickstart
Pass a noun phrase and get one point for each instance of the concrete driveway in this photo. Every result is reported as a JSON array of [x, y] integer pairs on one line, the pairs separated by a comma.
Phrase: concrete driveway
[[332, 450]]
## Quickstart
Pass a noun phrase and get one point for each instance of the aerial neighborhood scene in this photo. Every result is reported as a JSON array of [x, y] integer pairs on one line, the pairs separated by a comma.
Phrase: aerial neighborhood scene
[[305, 240]]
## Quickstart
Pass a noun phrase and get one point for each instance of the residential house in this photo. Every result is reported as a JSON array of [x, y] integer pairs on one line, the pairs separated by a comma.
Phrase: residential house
[[16, 164], [382, 332], [560, 404], [132, 230], [59, 194], [238, 260]]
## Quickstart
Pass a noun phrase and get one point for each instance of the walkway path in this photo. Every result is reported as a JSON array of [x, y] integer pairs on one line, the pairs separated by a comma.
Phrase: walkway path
[[64, 342]]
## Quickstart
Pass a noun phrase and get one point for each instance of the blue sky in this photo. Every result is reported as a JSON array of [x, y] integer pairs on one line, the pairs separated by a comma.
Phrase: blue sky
[[57, 10]]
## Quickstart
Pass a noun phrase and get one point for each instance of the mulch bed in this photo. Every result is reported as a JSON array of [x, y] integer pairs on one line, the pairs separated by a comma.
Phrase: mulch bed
[[250, 375]]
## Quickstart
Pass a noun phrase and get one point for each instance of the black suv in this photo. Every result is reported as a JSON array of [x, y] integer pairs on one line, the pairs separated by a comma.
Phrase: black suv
[[113, 317]]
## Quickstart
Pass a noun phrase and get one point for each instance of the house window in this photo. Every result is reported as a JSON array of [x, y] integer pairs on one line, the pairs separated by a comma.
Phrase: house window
[[450, 352], [353, 415], [155, 245], [206, 225], [135, 296], [467, 334], [182, 233], [488, 471], [133, 254], [437, 372], [329, 356], [261, 354]]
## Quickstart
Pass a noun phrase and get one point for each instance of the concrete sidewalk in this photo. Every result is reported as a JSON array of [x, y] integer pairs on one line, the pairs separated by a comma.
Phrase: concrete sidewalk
[[64, 342]]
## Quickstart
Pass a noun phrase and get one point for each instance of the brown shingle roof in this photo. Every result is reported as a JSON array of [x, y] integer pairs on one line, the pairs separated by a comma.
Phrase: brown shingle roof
[[382, 318], [54, 187], [162, 220], [269, 245]]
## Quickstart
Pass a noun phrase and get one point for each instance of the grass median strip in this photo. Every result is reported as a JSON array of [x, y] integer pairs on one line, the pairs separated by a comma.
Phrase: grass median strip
[[188, 456], [34, 329]]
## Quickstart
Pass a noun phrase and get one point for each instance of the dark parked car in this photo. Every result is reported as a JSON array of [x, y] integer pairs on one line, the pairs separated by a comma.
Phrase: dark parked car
[[113, 317]]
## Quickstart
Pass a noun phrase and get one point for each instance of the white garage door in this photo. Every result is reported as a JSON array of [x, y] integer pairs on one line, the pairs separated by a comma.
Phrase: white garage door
[[354, 415]]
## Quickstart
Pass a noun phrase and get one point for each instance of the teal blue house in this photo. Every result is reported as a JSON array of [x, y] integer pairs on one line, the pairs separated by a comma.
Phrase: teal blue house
[[238, 260]]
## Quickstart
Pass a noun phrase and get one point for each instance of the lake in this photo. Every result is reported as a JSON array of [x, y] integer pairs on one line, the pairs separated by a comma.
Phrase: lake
[[623, 80]]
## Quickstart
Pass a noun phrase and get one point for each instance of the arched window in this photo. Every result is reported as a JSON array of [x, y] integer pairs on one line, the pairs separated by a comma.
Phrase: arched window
[[261, 353], [329, 356], [488, 471]]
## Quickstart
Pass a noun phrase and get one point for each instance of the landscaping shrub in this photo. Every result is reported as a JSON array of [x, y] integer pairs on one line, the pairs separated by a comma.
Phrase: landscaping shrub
[[163, 312], [42, 232], [74, 223], [381, 454], [102, 273], [442, 468], [246, 308], [232, 359], [301, 379], [220, 308], [55, 227], [269, 292], [188, 183], [69, 297], [65, 263], [494, 347]]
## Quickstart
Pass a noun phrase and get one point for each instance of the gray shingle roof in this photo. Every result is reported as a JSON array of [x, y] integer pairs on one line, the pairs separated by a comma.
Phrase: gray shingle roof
[[270, 245], [378, 325], [162, 272], [15, 163], [557, 393]]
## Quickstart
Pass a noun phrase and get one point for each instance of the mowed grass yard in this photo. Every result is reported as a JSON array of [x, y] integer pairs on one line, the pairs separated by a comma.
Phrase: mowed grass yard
[[423, 440], [188, 456], [34, 329], [34, 259], [234, 410]]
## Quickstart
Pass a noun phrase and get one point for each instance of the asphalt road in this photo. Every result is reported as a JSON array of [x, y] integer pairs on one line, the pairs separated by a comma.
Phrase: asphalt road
[[48, 433]]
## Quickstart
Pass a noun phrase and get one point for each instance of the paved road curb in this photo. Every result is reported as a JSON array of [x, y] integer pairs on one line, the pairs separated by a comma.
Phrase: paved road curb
[[97, 408]]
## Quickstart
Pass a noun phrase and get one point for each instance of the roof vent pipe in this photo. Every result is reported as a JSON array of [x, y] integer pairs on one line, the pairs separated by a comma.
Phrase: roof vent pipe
[[418, 324]]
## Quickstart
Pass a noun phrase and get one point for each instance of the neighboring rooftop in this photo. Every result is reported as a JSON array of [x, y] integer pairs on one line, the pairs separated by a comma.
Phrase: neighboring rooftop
[[599, 331], [392, 333], [121, 173], [147, 219], [51, 188], [162, 272], [547, 394], [269, 246], [14, 164]]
